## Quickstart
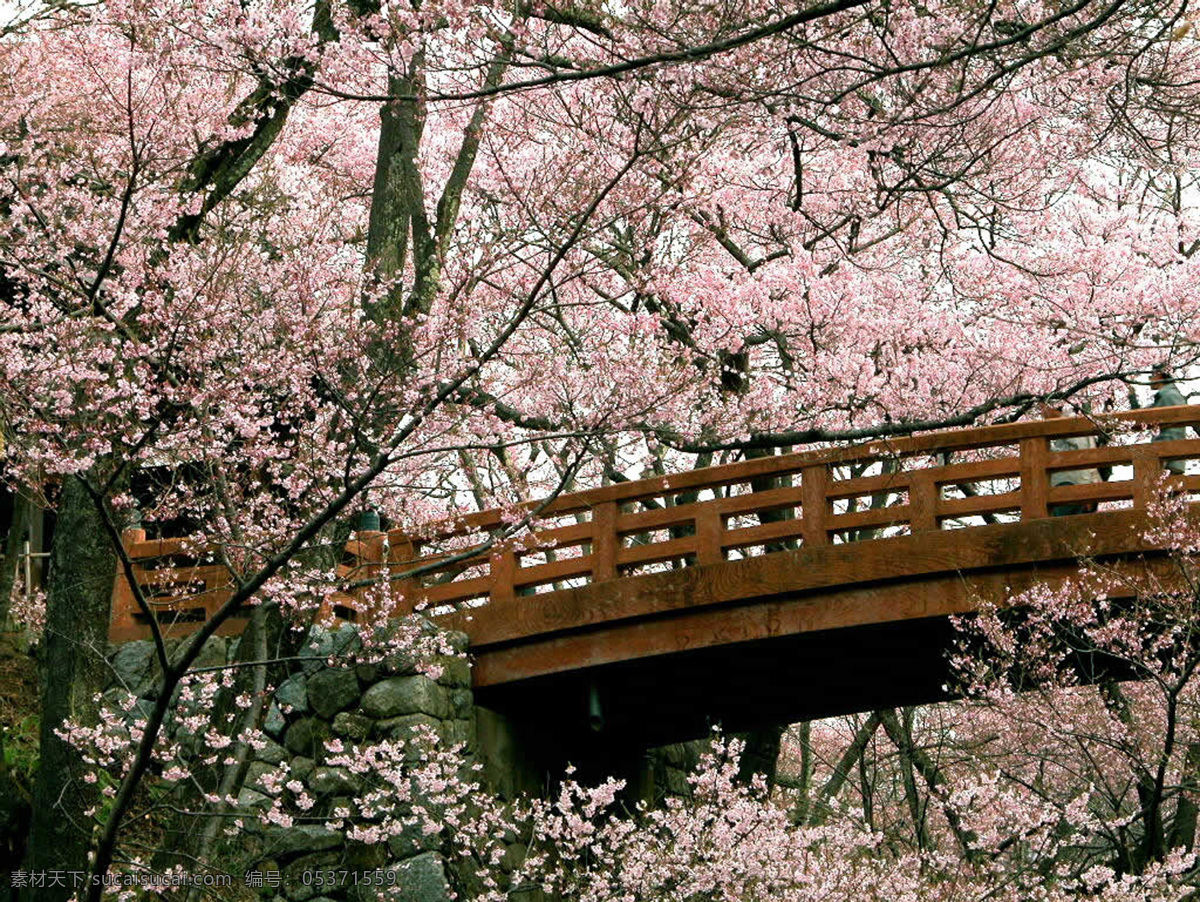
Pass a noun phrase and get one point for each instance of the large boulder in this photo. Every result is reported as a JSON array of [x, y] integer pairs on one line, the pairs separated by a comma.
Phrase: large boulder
[[256, 772], [407, 728], [133, 666], [332, 690], [352, 726], [307, 737], [252, 800], [274, 723], [212, 653], [461, 702], [301, 838], [271, 753], [322, 643], [307, 876], [422, 879], [326, 781], [412, 840], [293, 694], [456, 672], [406, 695]]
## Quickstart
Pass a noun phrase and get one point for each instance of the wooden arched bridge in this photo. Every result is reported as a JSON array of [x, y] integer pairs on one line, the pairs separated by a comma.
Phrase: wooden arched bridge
[[773, 589]]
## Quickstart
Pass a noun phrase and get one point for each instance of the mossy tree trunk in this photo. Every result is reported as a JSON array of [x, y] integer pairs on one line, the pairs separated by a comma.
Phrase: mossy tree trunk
[[82, 567]]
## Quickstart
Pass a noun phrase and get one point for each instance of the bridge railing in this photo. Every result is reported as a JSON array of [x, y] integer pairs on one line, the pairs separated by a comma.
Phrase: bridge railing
[[951, 479]]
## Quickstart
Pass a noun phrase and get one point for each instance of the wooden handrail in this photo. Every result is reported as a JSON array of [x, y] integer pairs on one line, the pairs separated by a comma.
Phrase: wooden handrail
[[786, 464], [616, 540]]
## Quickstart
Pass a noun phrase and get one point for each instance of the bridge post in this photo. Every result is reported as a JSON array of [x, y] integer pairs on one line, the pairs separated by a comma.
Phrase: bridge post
[[1146, 470], [922, 502], [503, 567], [604, 541], [1035, 481], [708, 537], [814, 504], [508, 751]]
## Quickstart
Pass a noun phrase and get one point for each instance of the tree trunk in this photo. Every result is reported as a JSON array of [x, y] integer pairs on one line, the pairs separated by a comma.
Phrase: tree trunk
[[13, 546], [800, 806], [819, 809], [82, 568], [762, 753], [227, 780], [1183, 826], [915, 761]]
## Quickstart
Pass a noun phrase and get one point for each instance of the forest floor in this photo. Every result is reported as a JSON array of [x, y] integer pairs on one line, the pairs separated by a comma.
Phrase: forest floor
[[18, 748], [18, 711]]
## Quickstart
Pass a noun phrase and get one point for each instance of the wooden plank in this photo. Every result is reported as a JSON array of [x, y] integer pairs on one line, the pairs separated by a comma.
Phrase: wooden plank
[[763, 533], [869, 485], [559, 537], [1188, 414], [203, 572], [540, 574], [1091, 491], [1004, 502], [402, 549], [152, 548], [656, 552], [663, 518], [1147, 470], [124, 604], [1121, 454], [977, 471], [881, 516], [460, 590], [754, 502], [434, 562]]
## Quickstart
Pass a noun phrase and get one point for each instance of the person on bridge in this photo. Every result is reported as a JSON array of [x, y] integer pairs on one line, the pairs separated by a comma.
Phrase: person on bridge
[[1071, 477], [1167, 394]]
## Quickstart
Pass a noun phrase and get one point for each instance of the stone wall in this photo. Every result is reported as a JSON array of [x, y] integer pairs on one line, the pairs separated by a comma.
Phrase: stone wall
[[313, 704]]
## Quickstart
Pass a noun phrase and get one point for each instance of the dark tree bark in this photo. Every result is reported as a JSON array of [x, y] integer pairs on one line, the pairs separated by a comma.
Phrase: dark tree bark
[[82, 569], [13, 544], [1183, 826], [761, 755]]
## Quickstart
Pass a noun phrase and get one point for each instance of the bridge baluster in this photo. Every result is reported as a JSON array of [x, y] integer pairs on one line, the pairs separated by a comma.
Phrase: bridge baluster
[[604, 541], [504, 572], [922, 501], [708, 535], [1035, 481], [1147, 468], [814, 504], [124, 624]]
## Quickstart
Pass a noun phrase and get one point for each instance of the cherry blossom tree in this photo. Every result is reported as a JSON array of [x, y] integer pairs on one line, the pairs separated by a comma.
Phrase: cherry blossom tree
[[268, 264]]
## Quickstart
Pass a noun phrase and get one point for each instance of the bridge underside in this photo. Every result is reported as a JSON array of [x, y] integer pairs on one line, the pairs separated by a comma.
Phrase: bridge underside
[[649, 702], [803, 636]]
